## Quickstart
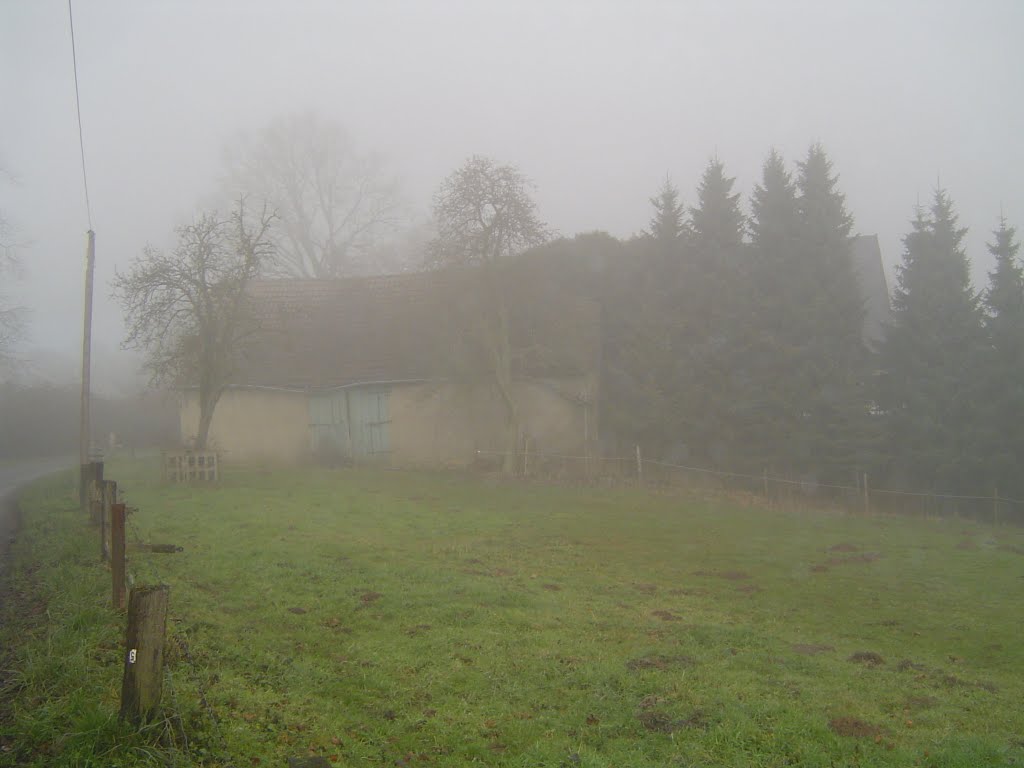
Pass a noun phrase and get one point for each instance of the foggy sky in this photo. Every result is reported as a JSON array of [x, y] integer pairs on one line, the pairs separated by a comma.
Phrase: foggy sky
[[594, 101]]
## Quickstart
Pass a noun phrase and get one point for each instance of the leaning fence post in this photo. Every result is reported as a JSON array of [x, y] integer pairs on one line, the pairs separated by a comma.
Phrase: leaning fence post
[[143, 679], [117, 562], [639, 467]]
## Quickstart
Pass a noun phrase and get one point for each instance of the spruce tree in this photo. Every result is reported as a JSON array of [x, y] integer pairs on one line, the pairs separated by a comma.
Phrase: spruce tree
[[766, 404], [668, 224], [933, 348], [703, 373], [828, 374], [1004, 376]]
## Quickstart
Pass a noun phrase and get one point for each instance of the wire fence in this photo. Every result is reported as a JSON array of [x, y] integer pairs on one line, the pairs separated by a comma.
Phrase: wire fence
[[861, 497]]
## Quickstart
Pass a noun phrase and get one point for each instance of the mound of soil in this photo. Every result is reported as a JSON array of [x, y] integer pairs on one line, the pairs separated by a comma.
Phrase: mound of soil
[[810, 649], [855, 727], [868, 658], [659, 722], [666, 616], [660, 662]]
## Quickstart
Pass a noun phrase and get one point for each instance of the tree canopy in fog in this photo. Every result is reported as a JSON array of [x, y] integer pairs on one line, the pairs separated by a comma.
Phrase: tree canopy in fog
[[333, 201], [485, 215], [12, 318], [484, 212], [186, 309]]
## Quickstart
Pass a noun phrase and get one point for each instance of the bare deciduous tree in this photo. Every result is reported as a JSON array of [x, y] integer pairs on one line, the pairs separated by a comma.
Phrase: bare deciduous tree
[[333, 202], [186, 309], [12, 317], [485, 215]]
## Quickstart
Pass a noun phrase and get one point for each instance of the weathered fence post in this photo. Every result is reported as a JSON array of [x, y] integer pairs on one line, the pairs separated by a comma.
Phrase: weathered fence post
[[109, 498], [91, 477], [639, 467], [144, 654], [867, 497], [117, 562]]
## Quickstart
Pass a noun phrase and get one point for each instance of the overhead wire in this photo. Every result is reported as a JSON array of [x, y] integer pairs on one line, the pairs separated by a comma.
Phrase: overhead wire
[[78, 110]]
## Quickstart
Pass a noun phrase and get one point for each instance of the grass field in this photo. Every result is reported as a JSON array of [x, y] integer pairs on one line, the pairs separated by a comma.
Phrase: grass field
[[402, 619]]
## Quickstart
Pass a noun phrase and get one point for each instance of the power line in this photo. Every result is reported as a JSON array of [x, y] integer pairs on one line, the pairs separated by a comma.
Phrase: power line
[[78, 109]]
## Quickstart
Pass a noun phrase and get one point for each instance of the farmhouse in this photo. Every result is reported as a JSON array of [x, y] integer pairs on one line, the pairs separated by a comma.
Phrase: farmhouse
[[386, 369]]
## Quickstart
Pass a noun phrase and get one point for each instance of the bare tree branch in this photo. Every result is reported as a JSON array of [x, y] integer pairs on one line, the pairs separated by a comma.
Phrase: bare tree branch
[[186, 309], [333, 202]]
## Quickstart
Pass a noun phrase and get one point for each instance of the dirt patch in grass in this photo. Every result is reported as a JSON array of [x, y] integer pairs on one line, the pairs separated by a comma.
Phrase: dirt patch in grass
[[844, 546], [418, 630], [858, 559], [906, 665], [551, 587], [660, 662], [727, 575], [666, 616], [297, 611], [867, 658], [749, 589], [660, 722], [811, 649], [646, 589], [920, 702], [370, 597], [855, 727]]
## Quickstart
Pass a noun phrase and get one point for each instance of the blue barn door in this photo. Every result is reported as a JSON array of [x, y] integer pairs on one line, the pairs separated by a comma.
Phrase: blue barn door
[[371, 418], [328, 425]]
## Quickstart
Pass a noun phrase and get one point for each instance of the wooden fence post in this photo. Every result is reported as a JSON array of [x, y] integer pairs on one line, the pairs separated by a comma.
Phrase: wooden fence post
[[867, 497], [143, 679], [117, 562], [639, 467], [109, 498]]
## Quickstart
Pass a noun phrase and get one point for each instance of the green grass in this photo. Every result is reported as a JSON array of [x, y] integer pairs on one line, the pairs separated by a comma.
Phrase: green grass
[[390, 618]]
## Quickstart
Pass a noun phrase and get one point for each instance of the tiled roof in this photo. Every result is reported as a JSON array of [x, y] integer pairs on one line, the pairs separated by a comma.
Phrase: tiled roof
[[320, 334]]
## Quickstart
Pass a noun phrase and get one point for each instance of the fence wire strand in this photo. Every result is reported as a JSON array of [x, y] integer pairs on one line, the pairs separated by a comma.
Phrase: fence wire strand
[[764, 478]]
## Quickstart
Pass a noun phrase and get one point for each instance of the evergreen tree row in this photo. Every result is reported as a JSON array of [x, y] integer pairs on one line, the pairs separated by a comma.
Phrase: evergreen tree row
[[738, 343]]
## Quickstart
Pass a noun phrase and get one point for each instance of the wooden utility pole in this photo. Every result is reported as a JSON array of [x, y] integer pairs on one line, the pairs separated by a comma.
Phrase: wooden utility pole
[[142, 684], [84, 426], [117, 561]]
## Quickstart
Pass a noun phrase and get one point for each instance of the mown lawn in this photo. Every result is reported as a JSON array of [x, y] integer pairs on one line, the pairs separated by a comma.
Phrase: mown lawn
[[410, 619]]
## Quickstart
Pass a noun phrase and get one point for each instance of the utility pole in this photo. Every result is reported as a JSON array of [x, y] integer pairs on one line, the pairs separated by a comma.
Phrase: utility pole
[[83, 435]]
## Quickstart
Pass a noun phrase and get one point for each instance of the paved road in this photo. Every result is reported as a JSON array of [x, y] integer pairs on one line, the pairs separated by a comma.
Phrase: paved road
[[12, 477]]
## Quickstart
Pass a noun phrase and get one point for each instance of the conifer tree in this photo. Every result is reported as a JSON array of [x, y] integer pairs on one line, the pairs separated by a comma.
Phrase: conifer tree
[[704, 338], [766, 406], [1004, 376], [928, 389], [828, 374], [668, 224]]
